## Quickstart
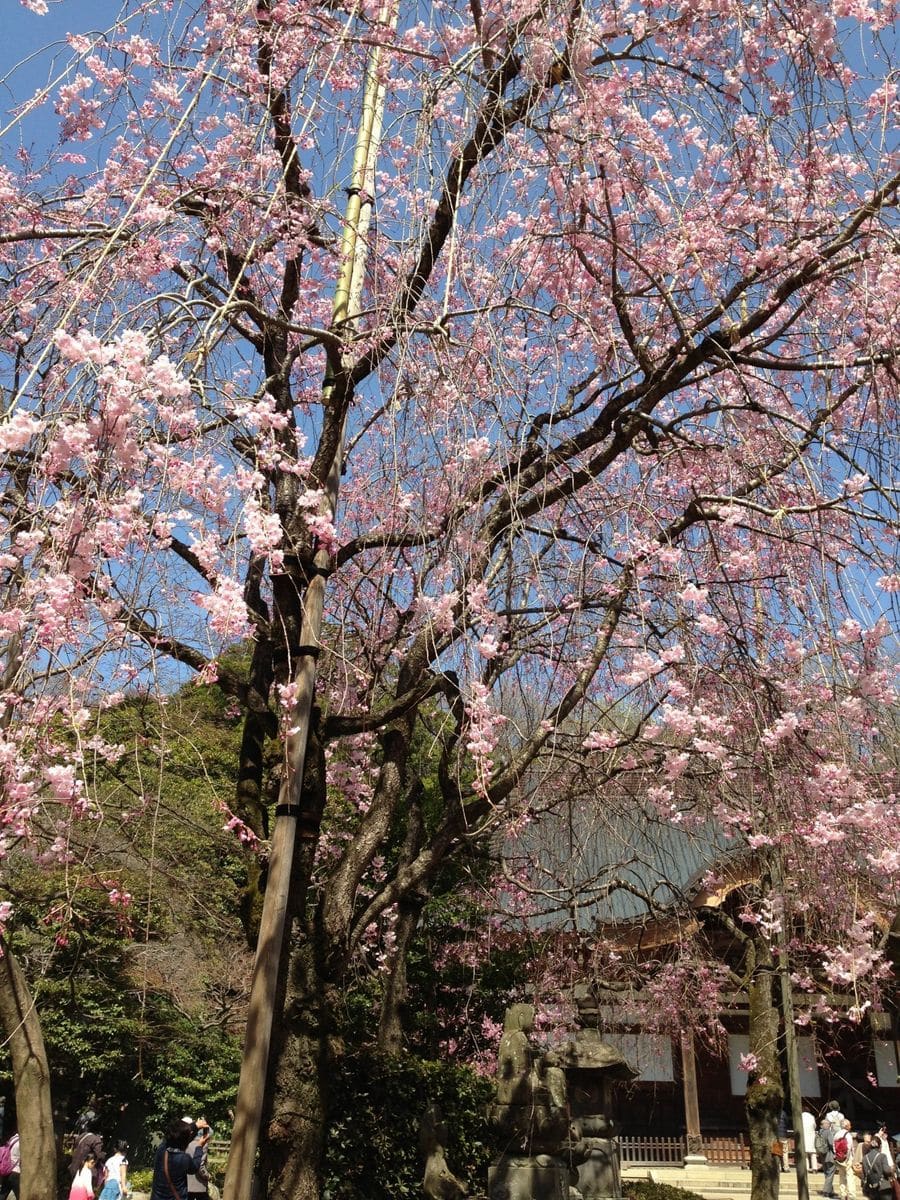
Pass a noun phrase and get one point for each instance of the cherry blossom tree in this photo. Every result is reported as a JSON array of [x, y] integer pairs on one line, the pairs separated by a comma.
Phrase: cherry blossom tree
[[490, 368], [771, 877]]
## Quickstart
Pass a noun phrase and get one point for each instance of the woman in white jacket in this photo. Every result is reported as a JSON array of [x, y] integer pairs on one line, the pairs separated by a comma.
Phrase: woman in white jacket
[[83, 1184]]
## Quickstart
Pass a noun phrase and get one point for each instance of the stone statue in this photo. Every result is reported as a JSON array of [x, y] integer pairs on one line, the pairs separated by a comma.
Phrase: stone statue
[[551, 1116], [591, 1066], [515, 1056], [531, 1112], [531, 1107], [553, 1111], [439, 1182]]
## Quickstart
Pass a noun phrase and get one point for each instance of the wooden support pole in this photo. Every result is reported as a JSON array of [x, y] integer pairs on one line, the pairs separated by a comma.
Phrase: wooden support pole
[[264, 983], [793, 1073], [695, 1155]]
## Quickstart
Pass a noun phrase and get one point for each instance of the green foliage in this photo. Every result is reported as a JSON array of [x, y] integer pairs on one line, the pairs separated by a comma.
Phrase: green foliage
[[167, 797], [448, 1004], [140, 1002], [138, 1058], [90, 1036], [634, 1189], [196, 1073], [141, 1180], [136, 1001], [71, 947], [372, 1148]]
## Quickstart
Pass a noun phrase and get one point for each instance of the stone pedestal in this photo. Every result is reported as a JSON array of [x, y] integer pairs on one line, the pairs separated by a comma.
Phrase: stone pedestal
[[521, 1178], [597, 1161]]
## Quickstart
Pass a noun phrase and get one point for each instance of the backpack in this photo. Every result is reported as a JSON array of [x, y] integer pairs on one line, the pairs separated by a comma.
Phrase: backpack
[[841, 1148], [6, 1160], [821, 1143], [873, 1171]]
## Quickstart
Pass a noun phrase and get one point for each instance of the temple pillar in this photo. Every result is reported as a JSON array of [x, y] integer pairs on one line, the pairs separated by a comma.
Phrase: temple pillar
[[695, 1155]]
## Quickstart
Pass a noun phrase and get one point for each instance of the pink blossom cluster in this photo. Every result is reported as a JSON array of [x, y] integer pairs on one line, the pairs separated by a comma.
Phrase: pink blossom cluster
[[611, 420]]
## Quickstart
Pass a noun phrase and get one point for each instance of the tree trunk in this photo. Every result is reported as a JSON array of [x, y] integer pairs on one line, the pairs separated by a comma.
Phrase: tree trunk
[[765, 1095], [409, 912], [306, 1048], [390, 1018], [31, 1075]]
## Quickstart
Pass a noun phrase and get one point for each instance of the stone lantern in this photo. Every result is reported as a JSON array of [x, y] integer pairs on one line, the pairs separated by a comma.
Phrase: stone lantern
[[554, 1113], [591, 1067]]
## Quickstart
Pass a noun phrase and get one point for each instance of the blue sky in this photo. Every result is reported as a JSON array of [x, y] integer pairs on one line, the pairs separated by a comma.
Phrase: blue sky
[[33, 51], [24, 32], [33, 54]]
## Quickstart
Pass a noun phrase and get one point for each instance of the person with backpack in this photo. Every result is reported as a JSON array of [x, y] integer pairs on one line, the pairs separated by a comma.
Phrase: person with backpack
[[842, 1148], [10, 1165], [878, 1172], [89, 1142], [809, 1141], [859, 1153], [825, 1151]]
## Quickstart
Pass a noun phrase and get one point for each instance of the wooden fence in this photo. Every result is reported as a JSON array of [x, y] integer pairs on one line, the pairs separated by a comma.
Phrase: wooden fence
[[218, 1151], [727, 1150], [639, 1151], [732, 1151]]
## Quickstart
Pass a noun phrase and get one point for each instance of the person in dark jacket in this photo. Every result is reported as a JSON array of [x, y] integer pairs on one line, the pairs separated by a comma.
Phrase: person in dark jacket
[[173, 1164], [89, 1142], [878, 1171], [825, 1151]]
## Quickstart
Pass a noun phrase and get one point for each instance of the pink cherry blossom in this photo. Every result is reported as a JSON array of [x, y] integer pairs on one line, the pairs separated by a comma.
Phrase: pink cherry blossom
[[228, 617], [552, 441]]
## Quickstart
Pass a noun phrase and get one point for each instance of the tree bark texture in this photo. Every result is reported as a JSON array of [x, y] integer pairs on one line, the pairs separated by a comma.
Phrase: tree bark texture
[[390, 1017], [306, 1047], [31, 1076]]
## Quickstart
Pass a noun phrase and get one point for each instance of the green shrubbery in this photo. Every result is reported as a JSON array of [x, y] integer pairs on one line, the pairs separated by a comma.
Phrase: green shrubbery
[[141, 1180], [634, 1189], [372, 1151]]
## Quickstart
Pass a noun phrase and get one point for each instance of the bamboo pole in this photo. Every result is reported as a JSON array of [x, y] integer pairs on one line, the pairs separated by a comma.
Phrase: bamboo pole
[[264, 983]]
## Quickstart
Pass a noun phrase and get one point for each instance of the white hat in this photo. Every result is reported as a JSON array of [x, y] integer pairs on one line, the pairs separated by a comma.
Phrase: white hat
[[188, 1120]]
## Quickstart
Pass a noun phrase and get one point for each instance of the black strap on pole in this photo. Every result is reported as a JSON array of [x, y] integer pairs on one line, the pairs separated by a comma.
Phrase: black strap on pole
[[288, 810]]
